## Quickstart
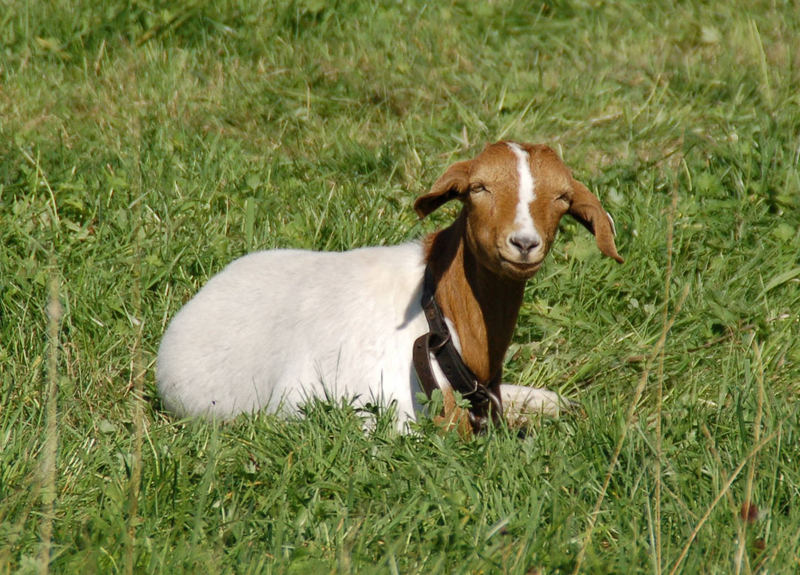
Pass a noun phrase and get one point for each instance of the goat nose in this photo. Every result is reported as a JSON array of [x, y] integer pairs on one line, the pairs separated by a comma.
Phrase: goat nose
[[524, 242]]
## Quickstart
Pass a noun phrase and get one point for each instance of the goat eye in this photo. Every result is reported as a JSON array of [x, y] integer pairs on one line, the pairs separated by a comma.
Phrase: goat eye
[[564, 198], [478, 189]]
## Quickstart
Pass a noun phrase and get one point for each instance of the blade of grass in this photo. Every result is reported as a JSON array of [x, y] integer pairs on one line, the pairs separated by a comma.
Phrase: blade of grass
[[657, 353], [628, 423], [751, 470], [660, 371], [719, 496], [136, 387], [48, 457]]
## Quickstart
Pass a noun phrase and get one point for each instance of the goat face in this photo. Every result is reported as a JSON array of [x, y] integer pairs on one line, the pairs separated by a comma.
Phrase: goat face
[[514, 196]]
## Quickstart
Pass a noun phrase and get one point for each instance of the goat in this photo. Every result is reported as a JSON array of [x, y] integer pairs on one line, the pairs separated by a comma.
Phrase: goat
[[275, 328]]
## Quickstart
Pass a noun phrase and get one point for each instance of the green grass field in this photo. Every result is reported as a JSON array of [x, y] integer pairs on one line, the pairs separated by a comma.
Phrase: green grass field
[[146, 144]]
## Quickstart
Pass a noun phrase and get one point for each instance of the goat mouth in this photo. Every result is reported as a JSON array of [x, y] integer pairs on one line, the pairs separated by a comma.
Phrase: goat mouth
[[526, 268]]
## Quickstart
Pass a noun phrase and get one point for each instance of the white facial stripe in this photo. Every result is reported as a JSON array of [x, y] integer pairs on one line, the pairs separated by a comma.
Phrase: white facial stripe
[[523, 222]]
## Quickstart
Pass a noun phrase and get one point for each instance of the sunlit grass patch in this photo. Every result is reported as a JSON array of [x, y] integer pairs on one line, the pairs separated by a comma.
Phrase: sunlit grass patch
[[143, 146]]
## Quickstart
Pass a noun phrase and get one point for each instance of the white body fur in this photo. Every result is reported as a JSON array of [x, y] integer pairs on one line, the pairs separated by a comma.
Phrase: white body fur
[[266, 333]]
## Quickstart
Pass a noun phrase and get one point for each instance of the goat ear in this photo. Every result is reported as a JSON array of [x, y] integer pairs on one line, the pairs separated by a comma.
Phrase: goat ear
[[586, 208], [454, 183]]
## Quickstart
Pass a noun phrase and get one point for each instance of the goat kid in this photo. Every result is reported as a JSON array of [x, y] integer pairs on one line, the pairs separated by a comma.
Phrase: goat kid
[[275, 328]]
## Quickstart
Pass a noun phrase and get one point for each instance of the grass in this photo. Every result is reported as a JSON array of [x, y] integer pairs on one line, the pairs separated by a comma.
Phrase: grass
[[144, 145]]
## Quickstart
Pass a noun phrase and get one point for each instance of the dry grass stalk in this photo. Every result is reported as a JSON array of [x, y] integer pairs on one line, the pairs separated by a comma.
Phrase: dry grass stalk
[[48, 459]]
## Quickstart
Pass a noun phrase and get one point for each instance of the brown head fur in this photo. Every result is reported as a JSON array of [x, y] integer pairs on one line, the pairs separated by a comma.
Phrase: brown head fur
[[488, 186]]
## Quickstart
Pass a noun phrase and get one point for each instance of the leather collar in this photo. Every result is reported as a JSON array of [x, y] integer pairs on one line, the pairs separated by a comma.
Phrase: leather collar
[[438, 343]]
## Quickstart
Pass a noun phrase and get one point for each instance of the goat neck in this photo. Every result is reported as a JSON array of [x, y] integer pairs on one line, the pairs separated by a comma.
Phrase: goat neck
[[481, 305]]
